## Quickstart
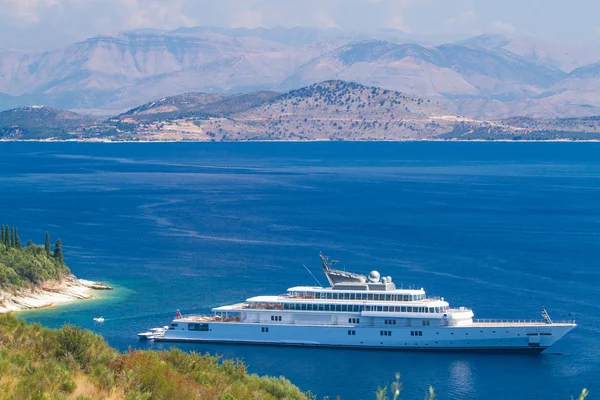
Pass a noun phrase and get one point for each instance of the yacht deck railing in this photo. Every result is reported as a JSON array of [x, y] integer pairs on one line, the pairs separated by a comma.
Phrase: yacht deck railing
[[521, 321]]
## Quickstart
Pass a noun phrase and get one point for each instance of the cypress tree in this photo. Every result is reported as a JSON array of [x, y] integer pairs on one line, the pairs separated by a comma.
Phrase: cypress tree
[[58, 253], [29, 243], [47, 245], [17, 239], [2, 236], [12, 236]]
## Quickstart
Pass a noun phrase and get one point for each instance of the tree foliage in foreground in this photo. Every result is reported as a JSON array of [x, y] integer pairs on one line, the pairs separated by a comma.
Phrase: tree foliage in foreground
[[71, 363], [29, 266]]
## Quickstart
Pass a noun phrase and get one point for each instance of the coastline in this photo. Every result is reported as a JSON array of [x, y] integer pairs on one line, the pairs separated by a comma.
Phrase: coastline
[[453, 140], [49, 294]]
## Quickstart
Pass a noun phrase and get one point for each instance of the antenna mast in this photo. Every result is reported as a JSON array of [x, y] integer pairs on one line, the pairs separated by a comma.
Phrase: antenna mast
[[311, 274]]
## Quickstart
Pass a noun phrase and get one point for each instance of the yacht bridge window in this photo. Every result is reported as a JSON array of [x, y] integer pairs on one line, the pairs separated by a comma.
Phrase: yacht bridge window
[[358, 296]]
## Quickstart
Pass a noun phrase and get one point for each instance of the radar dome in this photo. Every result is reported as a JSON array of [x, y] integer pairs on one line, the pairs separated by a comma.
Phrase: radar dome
[[374, 276]]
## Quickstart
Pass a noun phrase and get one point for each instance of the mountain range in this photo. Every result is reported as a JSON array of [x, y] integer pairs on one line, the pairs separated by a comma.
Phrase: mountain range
[[484, 77], [330, 110]]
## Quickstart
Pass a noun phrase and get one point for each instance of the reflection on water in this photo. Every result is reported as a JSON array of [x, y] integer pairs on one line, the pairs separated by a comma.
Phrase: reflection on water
[[461, 379]]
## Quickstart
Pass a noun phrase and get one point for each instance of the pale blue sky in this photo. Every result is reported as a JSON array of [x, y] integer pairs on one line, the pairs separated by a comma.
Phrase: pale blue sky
[[53, 23]]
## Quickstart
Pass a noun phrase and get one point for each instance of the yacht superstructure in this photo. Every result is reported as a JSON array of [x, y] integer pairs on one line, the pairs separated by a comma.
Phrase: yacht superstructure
[[366, 312]]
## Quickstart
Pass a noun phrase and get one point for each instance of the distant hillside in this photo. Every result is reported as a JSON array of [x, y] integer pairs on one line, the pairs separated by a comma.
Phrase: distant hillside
[[331, 110], [447, 71], [484, 77], [196, 105], [39, 122]]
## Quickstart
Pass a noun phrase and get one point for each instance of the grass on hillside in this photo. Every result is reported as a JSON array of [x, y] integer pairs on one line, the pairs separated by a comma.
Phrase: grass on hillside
[[71, 363]]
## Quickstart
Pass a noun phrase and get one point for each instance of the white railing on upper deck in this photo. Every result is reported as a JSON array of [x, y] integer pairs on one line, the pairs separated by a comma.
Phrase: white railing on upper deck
[[309, 297], [521, 321]]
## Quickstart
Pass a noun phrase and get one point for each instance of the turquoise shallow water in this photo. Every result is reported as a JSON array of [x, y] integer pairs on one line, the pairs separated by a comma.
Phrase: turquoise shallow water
[[502, 227]]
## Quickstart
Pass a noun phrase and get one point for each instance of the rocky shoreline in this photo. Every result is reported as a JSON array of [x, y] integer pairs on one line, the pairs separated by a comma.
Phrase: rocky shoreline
[[49, 294]]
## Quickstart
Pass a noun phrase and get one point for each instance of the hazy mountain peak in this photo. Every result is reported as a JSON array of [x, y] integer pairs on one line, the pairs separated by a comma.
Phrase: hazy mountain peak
[[489, 41]]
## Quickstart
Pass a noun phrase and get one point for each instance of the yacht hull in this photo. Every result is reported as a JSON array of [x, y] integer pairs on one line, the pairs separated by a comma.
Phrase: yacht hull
[[532, 339]]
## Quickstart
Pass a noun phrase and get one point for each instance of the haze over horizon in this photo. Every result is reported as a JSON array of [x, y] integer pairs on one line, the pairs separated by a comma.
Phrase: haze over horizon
[[42, 24]]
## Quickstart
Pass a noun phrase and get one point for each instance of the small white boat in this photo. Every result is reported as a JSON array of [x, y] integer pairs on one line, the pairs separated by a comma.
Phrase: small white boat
[[153, 333], [146, 336], [98, 319]]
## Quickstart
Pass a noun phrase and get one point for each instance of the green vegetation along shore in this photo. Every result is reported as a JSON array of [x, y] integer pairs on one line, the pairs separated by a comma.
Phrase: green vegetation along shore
[[31, 265], [71, 363]]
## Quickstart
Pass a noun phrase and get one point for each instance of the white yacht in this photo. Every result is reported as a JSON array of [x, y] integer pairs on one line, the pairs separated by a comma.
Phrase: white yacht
[[365, 312]]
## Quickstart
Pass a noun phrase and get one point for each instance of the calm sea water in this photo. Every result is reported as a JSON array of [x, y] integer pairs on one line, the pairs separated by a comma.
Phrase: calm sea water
[[505, 228]]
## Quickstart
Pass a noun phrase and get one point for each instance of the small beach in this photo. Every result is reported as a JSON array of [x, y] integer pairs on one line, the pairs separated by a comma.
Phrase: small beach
[[49, 294]]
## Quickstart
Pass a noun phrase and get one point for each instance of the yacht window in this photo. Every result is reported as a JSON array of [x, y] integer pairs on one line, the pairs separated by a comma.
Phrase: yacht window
[[320, 307], [352, 296], [379, 308], [198, 327], [326, 307], [388, 297], [338, 307], [304, 307], [329, 296], [402, 309], [386, 308], [350, 320], [344, 307]]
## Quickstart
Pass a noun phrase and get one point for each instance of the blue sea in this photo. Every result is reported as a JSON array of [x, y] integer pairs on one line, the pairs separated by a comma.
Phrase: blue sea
[[505, 228]]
